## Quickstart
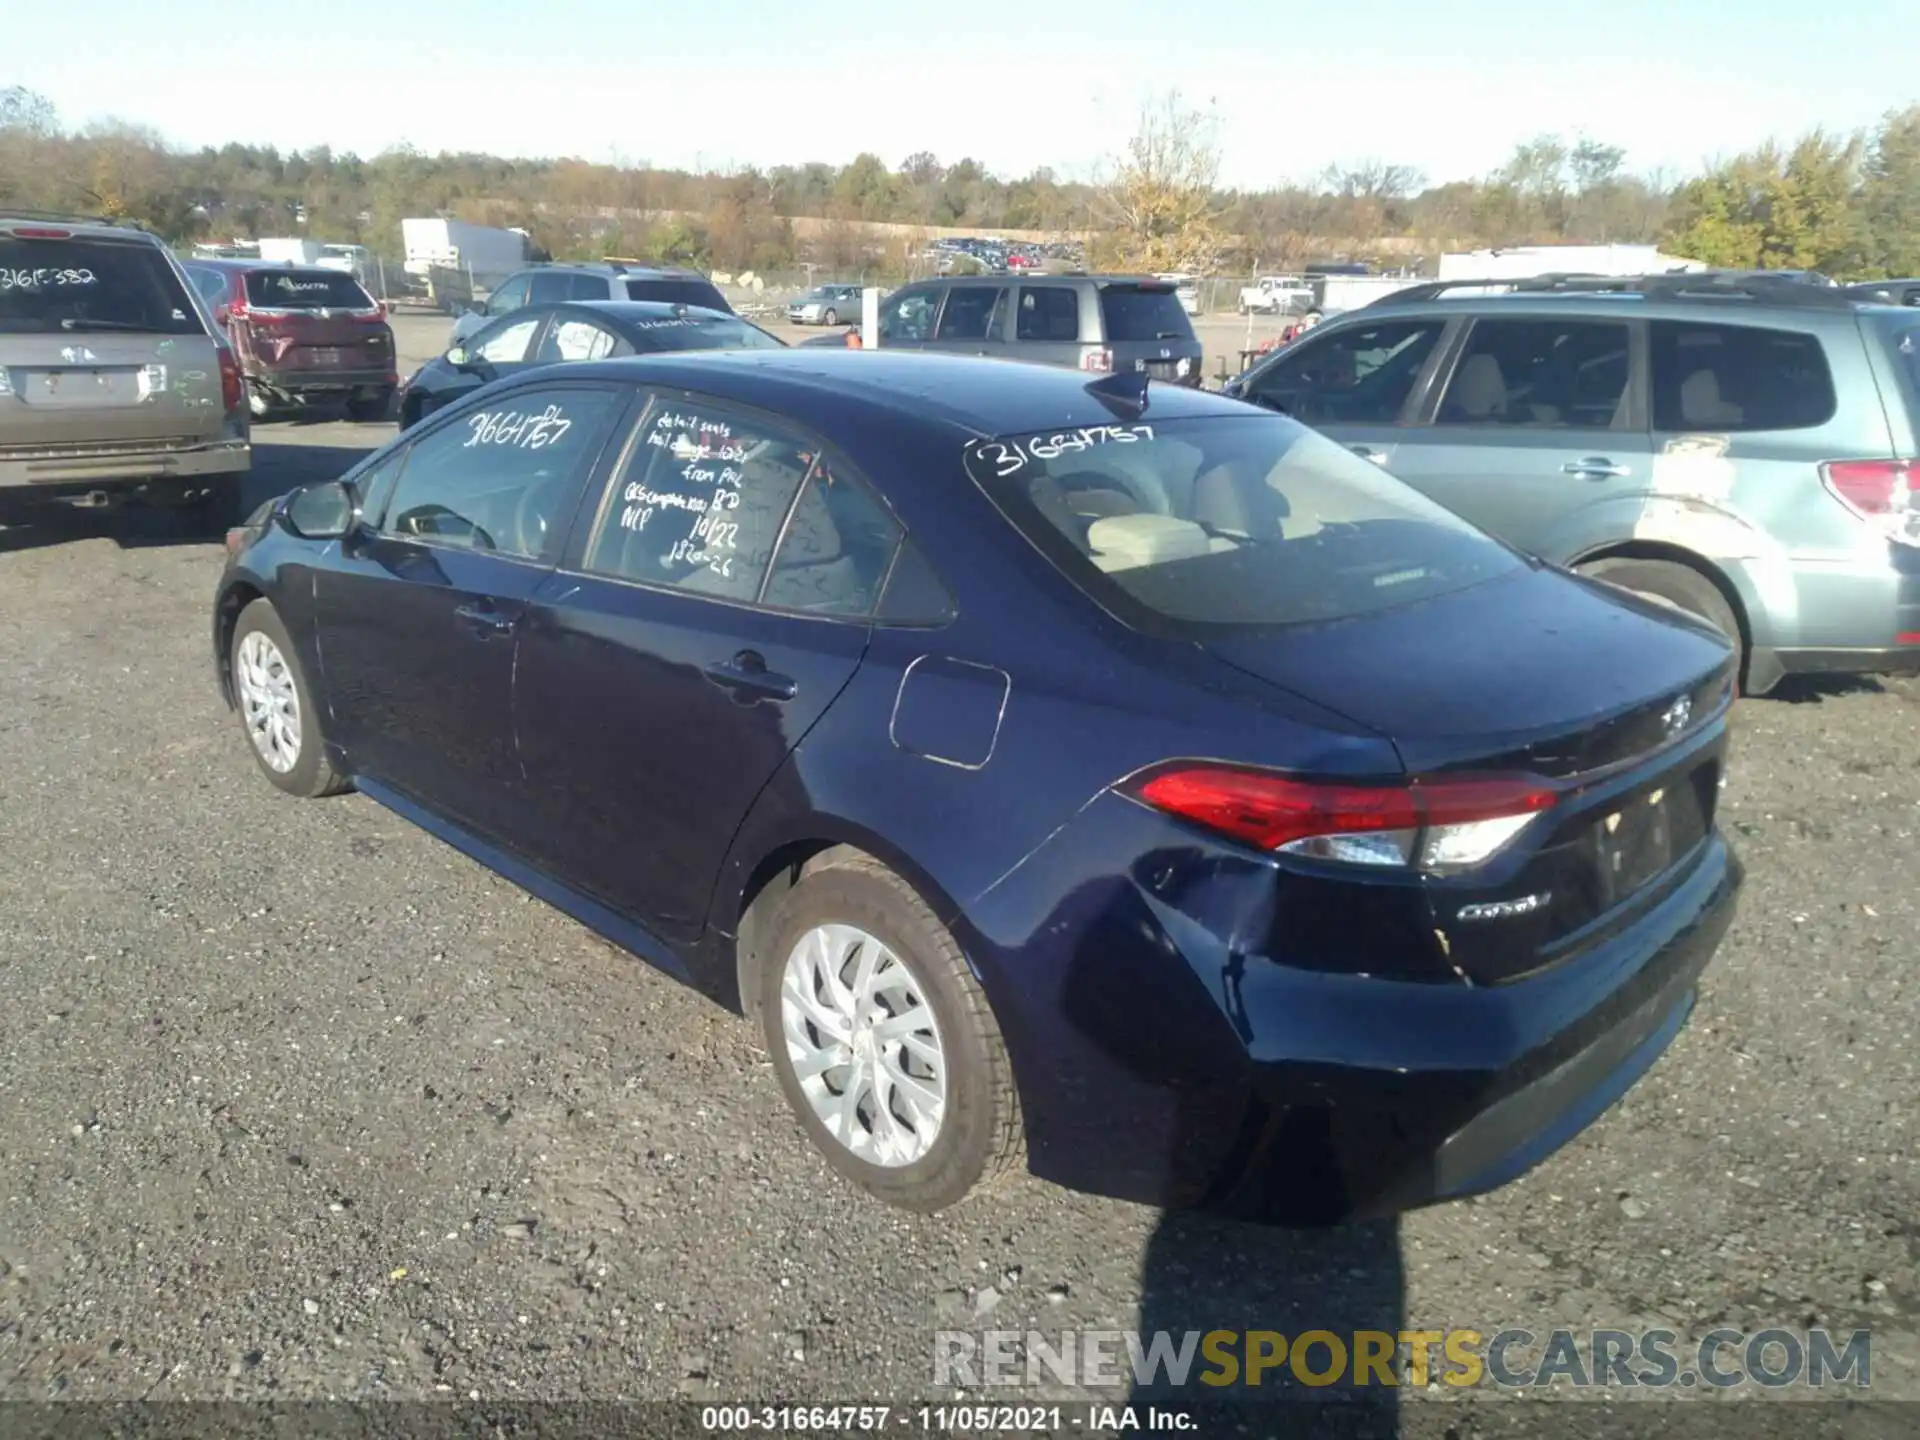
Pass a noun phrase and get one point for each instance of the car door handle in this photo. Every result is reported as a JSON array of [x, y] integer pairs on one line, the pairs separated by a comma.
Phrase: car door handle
[[486, 620], [1366, 452], [747, 677], [1595, 467]]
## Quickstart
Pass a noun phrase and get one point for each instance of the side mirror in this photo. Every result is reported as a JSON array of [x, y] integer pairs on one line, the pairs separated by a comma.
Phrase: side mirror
[[325, 511]]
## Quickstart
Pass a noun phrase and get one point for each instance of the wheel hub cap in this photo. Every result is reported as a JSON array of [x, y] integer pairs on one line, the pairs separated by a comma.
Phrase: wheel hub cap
[[269, 701], [864, 1045]]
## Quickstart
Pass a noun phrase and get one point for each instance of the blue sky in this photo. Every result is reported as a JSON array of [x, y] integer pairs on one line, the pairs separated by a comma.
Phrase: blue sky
[[1448, 88]]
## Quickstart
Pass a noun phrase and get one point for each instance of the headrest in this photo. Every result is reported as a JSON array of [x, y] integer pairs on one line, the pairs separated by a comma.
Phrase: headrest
[[1122, 542]]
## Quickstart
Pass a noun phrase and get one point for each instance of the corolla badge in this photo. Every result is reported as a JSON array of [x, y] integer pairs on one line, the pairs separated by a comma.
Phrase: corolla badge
[[1676, 715], [79, 355]]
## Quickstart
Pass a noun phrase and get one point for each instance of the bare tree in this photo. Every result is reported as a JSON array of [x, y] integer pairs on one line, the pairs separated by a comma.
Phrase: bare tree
[[1160, 202]]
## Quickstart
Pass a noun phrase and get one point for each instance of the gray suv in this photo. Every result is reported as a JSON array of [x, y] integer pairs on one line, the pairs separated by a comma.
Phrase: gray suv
[[1097, 323], [114, 381], [556, 284], [1740, 446]]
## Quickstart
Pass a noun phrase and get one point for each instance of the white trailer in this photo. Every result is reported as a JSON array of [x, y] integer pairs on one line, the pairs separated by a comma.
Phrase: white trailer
[[484, 253], [1524, 262], [290, 250], [1351, 292]]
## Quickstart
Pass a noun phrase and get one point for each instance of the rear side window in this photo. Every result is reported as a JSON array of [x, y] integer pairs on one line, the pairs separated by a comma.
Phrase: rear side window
[[679, 292], [836, 550], [1229, 521], [1724, 378], [701, 501], [1048, 312], [1144, 313], [1566, 374], [305, 290], [61, 287], [971, 312]]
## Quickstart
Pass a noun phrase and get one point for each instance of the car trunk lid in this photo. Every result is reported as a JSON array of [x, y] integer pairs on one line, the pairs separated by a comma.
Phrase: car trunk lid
[[1618, 706], [314, 319]]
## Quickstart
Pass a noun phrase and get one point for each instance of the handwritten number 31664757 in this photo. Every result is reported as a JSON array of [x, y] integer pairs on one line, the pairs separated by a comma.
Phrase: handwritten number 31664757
[[517, 429]]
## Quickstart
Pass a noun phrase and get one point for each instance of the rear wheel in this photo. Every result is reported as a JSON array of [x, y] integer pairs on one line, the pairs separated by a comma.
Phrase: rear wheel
[[276, 707], [1675, 585], [883, 1041]]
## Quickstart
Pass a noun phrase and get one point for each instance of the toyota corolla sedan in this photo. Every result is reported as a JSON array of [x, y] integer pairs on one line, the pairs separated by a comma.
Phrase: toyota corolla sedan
[[1096, 777]]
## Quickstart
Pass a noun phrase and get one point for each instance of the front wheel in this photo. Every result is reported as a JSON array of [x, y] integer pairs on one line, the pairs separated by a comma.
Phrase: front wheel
[[883, 1040], [276, 707], [832, 317]]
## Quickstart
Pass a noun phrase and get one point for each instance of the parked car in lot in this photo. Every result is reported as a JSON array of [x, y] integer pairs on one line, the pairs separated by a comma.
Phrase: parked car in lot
[[555, 334], [1887, 292], [825, 305], [114, 383], [1741, 446], [305, 334], [552, 284], [1096, 323], [1089, 773]]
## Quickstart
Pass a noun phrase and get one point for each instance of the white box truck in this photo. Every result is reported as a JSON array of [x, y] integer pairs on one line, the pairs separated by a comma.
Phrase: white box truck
[[487, 254], [290, 250]]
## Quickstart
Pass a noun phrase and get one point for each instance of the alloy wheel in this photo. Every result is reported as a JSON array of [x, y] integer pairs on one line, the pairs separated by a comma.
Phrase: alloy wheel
[[269, 701]]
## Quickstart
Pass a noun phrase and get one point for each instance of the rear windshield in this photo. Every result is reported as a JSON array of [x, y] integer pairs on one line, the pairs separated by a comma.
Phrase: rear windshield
[[1229, 521], [703, 332], [1137, 313], [306, 290], [678, 292], [74, 286]]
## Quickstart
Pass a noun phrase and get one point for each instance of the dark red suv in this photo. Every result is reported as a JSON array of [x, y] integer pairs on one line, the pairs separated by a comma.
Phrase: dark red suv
[[305, 335]]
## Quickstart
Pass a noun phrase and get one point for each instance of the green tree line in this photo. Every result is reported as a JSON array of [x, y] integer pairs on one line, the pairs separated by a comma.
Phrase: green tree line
[[1845, 204]]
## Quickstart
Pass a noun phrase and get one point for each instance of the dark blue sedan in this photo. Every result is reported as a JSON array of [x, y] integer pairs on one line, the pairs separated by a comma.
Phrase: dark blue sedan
[[555, 334], [1098, 777]]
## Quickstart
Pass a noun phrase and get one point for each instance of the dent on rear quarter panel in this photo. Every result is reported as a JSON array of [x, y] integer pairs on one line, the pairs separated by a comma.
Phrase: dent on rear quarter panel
[[949, 710]]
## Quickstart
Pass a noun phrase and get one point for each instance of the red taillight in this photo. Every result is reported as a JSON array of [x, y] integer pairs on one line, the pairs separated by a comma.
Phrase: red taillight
[[1436, 824], [1878, 491], [39, 232], [233, 387], [1100, 361]]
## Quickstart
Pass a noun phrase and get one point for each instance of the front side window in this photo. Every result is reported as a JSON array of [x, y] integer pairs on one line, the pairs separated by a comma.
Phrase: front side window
[[75, 286], [1557, 373], [1229, 521], [1738, 377], [972, 312], [505, 341], [909, 315], [700, 502], [1357, 375], [500, 477], [1048, 312]]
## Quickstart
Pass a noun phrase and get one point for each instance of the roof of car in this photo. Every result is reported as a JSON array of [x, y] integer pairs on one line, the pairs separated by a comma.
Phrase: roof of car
[[981, 397], [1082, 277], [611, 268]]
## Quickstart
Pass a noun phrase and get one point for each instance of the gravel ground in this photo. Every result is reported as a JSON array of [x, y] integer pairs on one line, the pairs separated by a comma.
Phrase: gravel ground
[[301, 1103]]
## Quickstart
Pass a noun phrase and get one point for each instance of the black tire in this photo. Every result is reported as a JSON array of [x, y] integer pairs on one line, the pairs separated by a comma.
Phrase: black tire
[[369, 412], [1677, 585], [312, 775], [980, 1138], [832, 317]]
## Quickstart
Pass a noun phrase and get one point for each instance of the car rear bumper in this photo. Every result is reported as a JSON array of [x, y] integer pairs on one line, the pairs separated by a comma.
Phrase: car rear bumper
[[1158, 1062], [300, 382], [80, 466]]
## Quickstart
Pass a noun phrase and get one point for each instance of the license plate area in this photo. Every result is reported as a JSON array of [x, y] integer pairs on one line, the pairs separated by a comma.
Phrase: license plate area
[[1638, 840]]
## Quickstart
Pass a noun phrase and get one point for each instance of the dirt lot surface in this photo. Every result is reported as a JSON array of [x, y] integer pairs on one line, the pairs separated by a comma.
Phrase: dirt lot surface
[[301, 1103]]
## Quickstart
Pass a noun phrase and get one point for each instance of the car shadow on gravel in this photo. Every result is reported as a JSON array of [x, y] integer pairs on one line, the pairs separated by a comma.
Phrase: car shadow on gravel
[[277, 468], [1817, 689]]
